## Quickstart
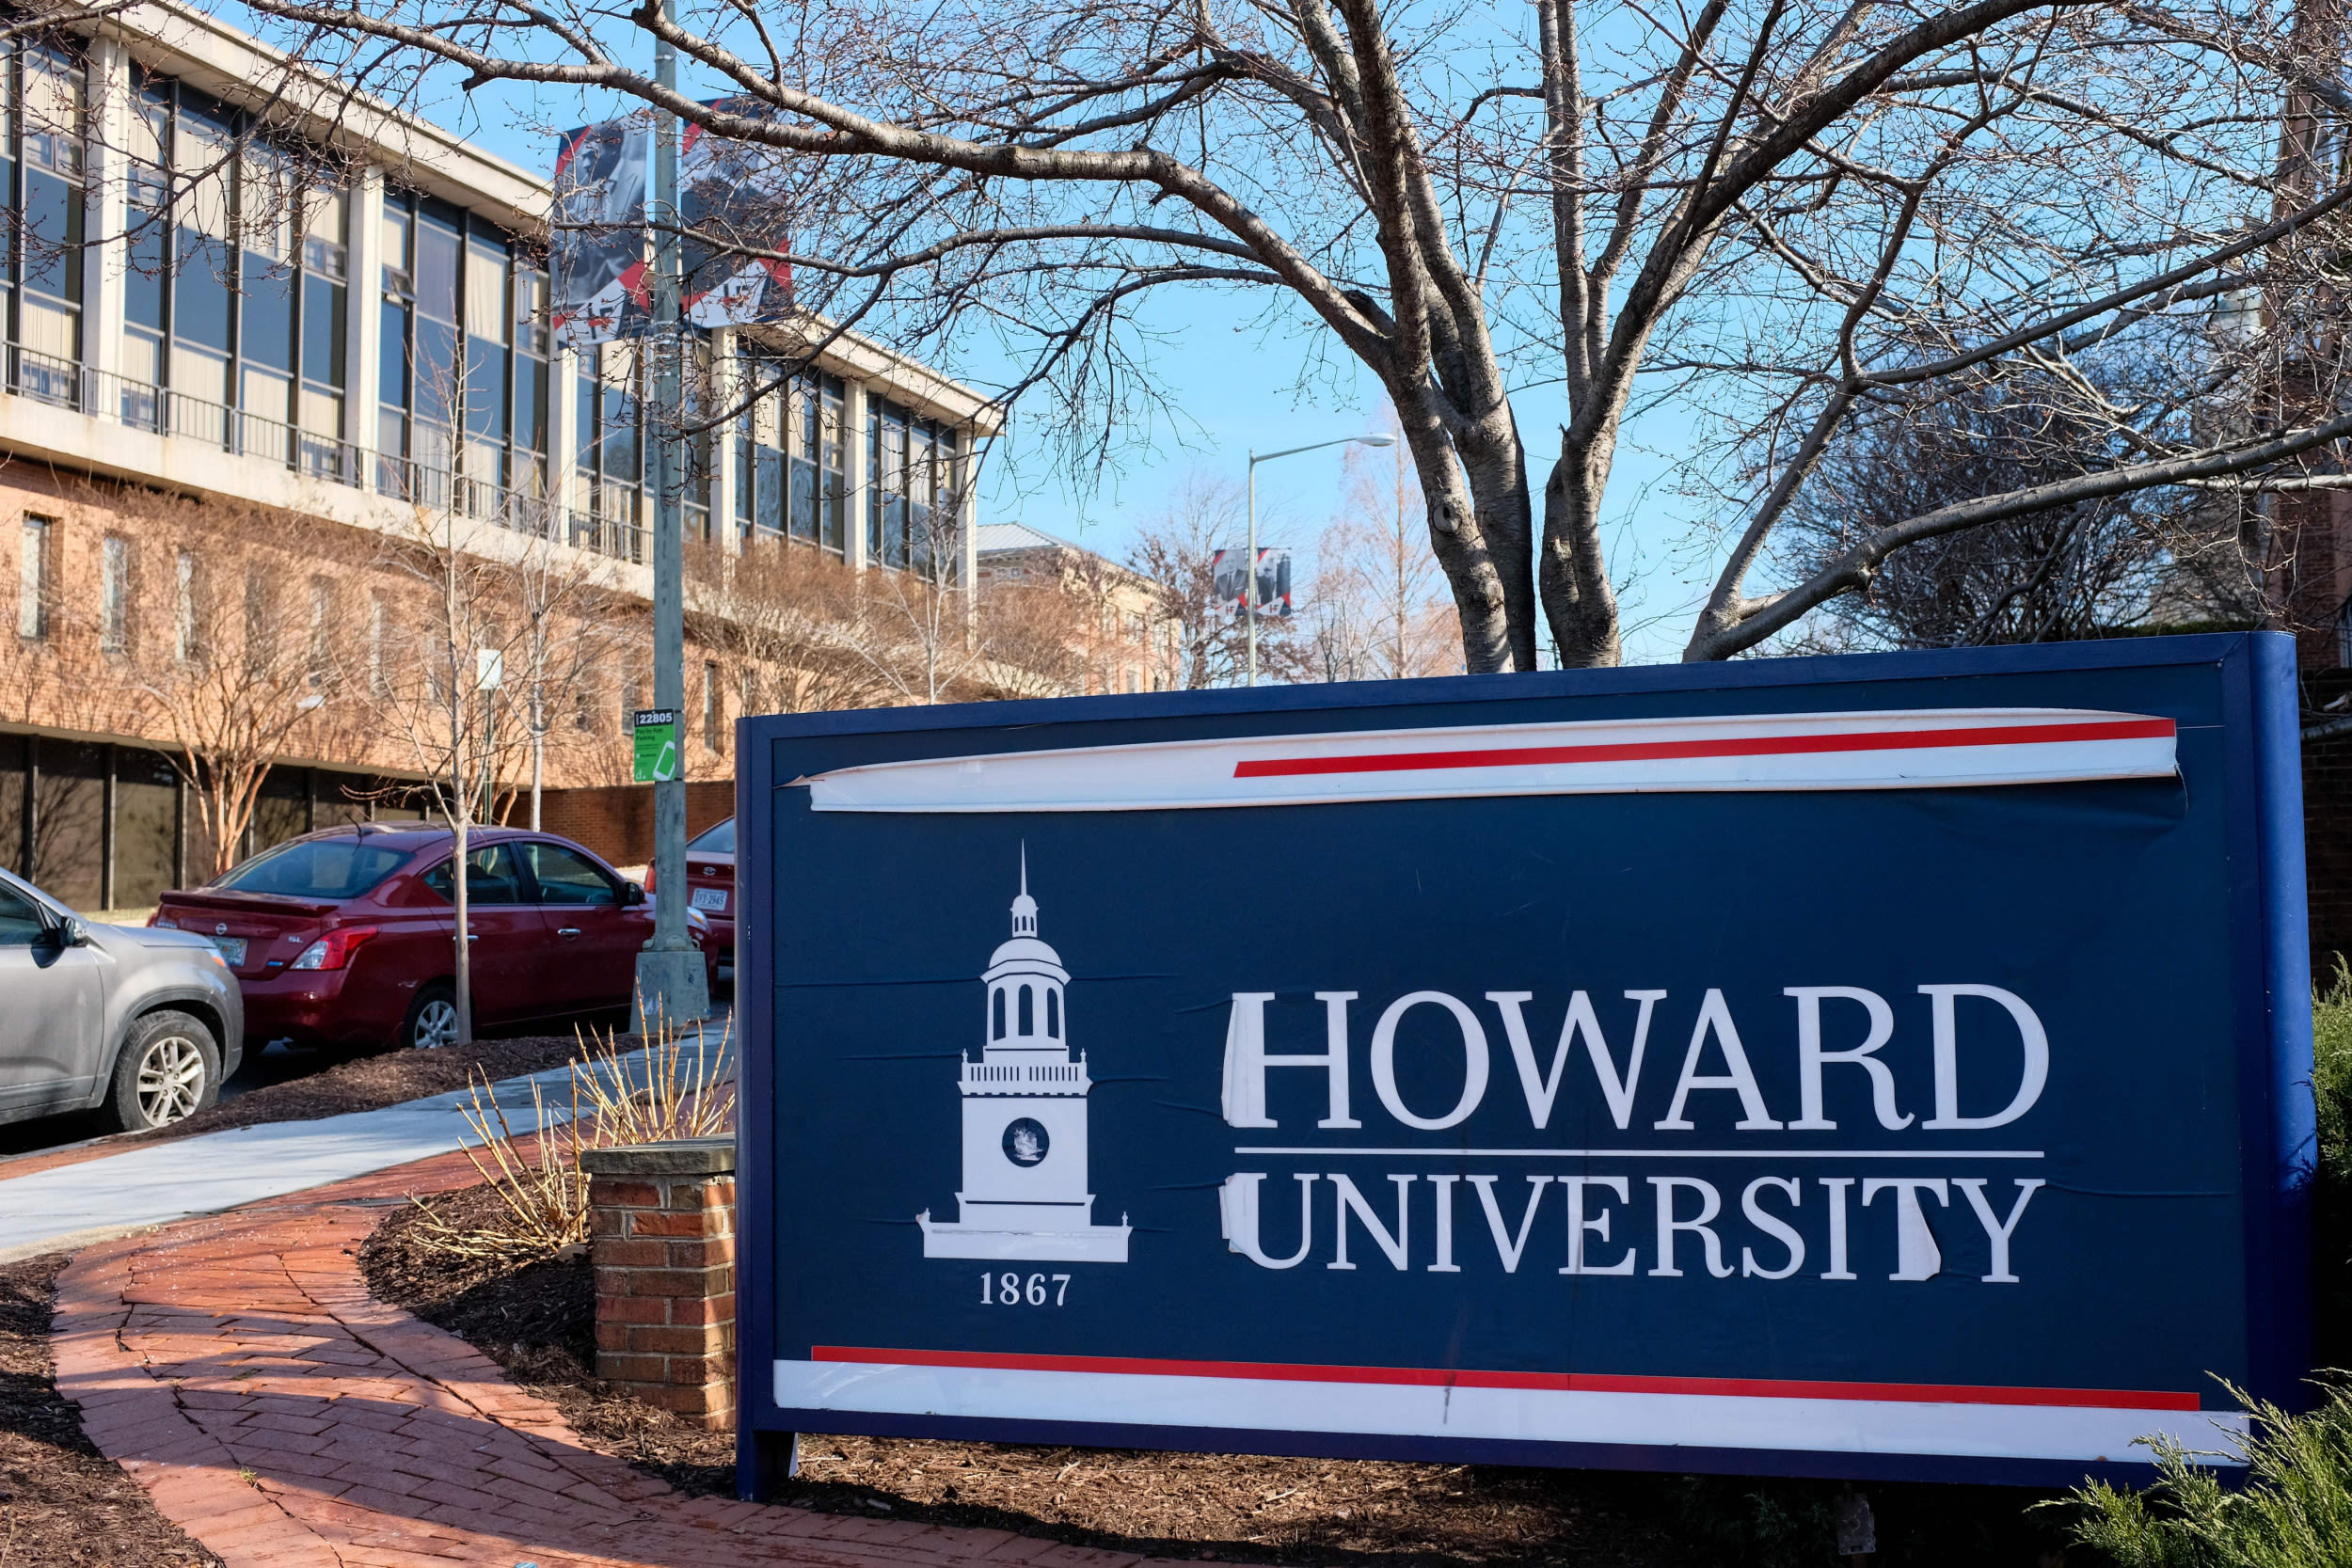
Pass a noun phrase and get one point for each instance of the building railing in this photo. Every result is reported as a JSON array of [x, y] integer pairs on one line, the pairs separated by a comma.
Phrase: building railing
[[609, 525]]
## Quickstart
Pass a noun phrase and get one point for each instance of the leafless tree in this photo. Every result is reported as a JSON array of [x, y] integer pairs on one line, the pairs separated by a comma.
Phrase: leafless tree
[[1783, 213], [1036, 636], [778, 611], [915, 631], [1176, 553], [256, 662], [2148, 558], [571, 622], [449, 664], [1377, 607]]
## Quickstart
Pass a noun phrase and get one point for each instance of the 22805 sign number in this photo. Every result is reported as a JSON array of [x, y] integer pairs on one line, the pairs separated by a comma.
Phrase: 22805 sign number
[[1010, 1290]]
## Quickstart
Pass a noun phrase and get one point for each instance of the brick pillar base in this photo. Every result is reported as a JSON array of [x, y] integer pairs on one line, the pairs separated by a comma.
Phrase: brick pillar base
[[661, 1235]]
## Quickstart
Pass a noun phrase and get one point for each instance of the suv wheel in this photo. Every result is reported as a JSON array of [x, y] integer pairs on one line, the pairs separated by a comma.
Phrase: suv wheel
[[169, 1070], [432, 1018]]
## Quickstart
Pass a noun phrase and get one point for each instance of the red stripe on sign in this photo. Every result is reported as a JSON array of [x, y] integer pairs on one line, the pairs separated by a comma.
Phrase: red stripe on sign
[[1582, 1382], [1734, 746]]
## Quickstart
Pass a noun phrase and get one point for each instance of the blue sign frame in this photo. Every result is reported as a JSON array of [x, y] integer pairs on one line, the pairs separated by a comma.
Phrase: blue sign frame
[[2115, 826]]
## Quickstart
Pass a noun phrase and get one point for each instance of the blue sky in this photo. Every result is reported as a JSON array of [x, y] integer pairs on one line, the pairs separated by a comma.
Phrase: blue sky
[[1236, 385]]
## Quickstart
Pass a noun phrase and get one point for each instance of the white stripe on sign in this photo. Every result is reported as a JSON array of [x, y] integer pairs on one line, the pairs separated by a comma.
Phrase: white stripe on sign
[[1523, 1415], [1916, 749]]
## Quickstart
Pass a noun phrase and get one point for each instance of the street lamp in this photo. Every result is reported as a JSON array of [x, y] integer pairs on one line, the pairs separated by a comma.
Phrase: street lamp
[[1249, 567]]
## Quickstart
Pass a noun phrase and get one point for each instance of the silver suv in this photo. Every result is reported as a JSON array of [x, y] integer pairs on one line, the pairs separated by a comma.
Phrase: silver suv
[[147, 1024]]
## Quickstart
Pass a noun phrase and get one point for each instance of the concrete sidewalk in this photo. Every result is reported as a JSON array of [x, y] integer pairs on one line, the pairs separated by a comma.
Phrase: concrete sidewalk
[[70, 1206]]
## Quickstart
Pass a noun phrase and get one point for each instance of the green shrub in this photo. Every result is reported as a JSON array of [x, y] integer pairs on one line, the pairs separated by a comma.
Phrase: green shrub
[[2294, 1510], [2331, 1186], [2331, 1072]]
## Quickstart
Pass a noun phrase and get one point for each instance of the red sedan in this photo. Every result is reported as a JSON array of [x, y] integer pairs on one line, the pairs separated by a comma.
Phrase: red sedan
[[710, 884], [342, 938]]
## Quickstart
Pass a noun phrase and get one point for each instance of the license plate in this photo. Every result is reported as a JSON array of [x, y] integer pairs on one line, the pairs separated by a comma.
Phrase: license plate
[[709, 898], [231, 948]]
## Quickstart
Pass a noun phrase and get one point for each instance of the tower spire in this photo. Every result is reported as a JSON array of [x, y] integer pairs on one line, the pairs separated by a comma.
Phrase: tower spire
[[1024, 907]]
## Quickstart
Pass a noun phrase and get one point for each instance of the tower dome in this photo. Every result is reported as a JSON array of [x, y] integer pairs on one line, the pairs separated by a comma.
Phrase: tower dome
[[1027, 1004], [1024, 907], [1025, 952]]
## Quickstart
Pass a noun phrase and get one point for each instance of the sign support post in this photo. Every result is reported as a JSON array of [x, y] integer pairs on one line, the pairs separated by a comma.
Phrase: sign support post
[[671, 982]]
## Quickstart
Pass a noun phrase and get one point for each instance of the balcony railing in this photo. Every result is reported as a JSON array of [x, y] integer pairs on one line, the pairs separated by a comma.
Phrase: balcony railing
[[609, 525]]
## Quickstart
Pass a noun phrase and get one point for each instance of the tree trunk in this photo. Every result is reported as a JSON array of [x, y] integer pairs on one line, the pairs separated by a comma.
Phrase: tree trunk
[[1572, 575], [1478, 527], [461, 960]]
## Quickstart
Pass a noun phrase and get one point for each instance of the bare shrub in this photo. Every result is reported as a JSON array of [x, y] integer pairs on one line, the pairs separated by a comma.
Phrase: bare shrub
[[678, 1085]]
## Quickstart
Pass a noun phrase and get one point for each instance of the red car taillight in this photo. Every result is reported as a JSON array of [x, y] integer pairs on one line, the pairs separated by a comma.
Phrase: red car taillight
[[333, 950]]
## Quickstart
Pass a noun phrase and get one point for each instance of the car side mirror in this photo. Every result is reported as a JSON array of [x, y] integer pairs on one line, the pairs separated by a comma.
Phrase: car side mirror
[[69, 933], [632, 894]]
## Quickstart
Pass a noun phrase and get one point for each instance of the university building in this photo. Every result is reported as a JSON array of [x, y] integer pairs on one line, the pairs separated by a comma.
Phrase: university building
[[254, 328]]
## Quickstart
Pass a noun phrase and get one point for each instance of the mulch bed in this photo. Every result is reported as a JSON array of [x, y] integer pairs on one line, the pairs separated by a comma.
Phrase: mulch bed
[[535, 1319], [62, 1503]]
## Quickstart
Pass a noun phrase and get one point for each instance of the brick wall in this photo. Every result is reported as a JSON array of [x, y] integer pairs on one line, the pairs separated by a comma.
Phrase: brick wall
[[661, 1237], [616, 821], [2314, 531], [2327, 825]]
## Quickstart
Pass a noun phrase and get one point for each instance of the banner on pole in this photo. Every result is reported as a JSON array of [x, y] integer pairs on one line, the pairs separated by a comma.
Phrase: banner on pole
[[1880, 1066], [598, 265], [734, 207], [1227, 572]]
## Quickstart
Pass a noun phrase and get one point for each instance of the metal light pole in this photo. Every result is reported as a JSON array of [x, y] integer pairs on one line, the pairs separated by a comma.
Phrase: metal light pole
[[671, 983], [1249, 592]]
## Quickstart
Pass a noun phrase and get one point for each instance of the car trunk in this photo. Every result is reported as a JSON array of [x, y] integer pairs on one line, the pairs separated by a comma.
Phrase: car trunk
[[710, 883], [270, 926]]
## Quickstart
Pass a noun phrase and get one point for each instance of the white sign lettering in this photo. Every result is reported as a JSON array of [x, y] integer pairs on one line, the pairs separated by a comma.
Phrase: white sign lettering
[[1783, 1218]]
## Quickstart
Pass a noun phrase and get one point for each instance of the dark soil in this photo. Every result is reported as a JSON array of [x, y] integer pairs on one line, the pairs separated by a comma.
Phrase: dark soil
[[63, 1504], [535, 1320]]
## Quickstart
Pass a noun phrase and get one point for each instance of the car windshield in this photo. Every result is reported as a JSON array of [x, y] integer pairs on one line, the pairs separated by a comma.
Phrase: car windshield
[[316, 869], [716, 841]]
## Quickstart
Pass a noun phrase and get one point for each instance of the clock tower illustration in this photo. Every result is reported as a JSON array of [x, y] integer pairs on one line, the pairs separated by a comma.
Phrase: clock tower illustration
[[1025, 1119]]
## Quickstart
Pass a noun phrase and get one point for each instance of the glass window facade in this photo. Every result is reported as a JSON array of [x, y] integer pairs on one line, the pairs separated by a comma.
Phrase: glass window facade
[[235, 309], [36, 546], [617, 456], [240, 328], [609, 417], [913, 492], [462, 366], [45, 167], [790, 461]]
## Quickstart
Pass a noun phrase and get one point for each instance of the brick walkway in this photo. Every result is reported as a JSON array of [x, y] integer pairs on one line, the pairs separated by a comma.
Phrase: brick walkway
[[237, 1367]]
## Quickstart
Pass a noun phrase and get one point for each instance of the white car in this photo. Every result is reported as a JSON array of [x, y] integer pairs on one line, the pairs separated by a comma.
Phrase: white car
[[147, 1024]]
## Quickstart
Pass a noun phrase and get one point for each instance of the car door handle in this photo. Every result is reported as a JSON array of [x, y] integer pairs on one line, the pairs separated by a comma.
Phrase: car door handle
[[567, 931]]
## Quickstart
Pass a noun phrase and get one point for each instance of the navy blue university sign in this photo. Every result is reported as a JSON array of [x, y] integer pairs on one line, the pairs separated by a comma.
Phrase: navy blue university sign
[[1872, 1065]]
